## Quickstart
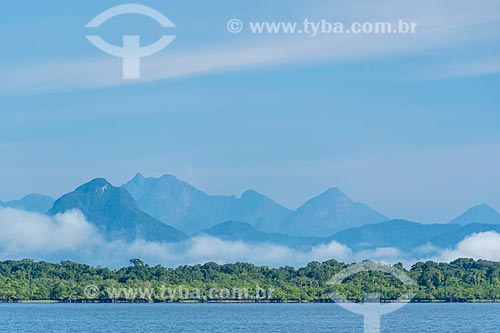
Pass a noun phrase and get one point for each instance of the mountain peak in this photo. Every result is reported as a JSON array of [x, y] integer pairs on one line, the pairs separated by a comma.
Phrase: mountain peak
[[115, 212], [231, 224], [483, 207], [97, 183], [32, 202], [139, 181], [96, 194], [335, 192], [234, 230], [32, 195], [333, 196], [330, 212], [251, 194], [481, 213], [171, 178], [138, 176]]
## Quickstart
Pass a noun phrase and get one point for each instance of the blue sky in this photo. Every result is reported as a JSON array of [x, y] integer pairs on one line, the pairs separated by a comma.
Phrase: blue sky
[[408, 124]]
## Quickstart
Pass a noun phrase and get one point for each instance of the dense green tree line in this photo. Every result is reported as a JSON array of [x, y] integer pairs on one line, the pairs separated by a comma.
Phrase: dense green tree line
[[458, 281]]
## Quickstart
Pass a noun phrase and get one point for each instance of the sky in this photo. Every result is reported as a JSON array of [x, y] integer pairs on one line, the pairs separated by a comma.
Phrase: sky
[[409, 124]]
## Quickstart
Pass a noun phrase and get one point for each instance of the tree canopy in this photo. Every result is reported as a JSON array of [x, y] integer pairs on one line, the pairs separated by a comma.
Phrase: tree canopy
[[459, 281]]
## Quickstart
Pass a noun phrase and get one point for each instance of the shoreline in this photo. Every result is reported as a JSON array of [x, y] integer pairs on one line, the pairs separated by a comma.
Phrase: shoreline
[[49, 301]]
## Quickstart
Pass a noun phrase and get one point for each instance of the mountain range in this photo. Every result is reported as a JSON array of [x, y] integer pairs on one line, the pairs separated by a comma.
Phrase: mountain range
[[404, 235], [166, 209], [181, 205]]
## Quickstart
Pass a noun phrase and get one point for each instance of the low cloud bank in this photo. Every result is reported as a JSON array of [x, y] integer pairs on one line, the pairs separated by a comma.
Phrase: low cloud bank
[[27, 232], [485, 245], [70, 236]]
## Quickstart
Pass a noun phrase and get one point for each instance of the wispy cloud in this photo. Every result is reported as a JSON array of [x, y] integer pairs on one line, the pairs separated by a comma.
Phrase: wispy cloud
[[466, 68], [437, 30]]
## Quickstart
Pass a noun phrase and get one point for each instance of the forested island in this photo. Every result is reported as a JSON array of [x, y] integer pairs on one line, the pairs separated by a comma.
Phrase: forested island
[[463, 280]]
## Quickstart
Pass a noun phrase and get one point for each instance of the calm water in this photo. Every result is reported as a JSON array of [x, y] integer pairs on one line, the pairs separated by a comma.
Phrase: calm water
[[288, 318]]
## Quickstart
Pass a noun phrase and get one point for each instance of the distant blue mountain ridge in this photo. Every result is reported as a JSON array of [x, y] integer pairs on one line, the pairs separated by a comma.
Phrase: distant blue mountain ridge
[[167, 209], [181, 205], [401, 234], [478, 214], [32, 202]]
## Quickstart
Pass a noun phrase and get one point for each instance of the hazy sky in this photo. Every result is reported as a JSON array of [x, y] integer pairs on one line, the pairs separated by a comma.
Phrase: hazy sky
[[409, 124]]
